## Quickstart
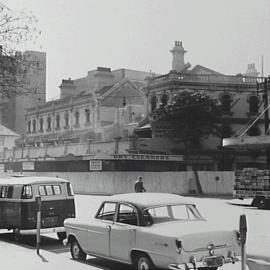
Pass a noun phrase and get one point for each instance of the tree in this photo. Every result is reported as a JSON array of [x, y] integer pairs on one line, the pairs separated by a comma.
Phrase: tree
[[15, 28], [192, 115]]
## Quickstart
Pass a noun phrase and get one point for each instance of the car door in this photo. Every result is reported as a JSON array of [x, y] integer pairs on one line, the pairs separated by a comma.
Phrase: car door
[[98, 232], [123, 232]]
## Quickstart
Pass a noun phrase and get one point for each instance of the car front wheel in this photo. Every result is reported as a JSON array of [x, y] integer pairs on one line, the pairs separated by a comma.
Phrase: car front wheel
[[76, 252], [144, 263]]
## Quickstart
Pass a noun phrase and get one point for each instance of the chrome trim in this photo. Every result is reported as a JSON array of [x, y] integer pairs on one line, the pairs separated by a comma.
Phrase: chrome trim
[[46, 230]]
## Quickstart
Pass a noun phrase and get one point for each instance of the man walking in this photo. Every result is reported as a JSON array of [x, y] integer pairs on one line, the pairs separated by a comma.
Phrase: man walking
[[139, 185]]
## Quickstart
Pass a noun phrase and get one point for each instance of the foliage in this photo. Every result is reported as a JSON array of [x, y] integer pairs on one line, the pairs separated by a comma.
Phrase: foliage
[[15, 28], [192, 115]]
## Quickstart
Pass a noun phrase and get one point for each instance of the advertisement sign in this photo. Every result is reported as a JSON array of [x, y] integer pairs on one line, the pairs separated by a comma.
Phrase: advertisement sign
[[28, 166], [95, 165]]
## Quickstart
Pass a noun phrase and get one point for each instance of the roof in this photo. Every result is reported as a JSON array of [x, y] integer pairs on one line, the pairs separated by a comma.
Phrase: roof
[[4, 131], [26, 180], [148, 199]]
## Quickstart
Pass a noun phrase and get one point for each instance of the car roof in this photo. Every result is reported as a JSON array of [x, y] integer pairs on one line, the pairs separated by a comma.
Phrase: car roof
[[27, 180], [149, 199]]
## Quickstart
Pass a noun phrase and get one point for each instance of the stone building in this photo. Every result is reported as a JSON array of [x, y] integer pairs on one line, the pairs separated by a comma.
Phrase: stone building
[[24, 84], [239, 101], [101, 106]]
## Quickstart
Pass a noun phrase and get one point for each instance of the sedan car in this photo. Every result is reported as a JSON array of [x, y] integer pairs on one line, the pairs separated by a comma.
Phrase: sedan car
[[152, 230]]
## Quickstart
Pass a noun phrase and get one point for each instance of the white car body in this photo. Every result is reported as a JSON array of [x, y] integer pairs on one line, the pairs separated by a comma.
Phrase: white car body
[[168, 243]]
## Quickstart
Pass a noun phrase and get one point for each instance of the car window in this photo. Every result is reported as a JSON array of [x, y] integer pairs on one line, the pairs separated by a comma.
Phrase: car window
[[183, 212], [127, 215], [107, 211], [3, 192]]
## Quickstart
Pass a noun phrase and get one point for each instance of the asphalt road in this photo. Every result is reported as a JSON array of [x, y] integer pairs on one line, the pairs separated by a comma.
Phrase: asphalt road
[[219, 212]]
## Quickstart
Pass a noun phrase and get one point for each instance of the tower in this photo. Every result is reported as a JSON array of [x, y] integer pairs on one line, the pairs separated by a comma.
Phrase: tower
[[178, 52]]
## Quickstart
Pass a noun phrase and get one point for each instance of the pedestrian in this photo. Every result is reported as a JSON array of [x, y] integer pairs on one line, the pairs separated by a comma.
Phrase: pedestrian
[[139, 185]]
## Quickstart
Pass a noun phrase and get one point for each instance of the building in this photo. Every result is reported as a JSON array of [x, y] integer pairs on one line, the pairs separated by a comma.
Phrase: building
[[99, 107], [23, 85], [7, 139], [239, 101]]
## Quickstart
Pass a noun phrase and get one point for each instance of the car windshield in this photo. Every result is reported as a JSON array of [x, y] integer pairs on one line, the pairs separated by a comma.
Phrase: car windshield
[[167, 213]]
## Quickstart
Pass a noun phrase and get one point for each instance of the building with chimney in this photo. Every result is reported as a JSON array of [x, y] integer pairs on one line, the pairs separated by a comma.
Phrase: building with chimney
[[238, 99], [23, 85], [101, 106]]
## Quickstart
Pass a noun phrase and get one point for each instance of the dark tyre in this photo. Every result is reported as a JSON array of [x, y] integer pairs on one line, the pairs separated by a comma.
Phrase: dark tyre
[[76, 252], [61, 235], [143, 262], [208, 268]]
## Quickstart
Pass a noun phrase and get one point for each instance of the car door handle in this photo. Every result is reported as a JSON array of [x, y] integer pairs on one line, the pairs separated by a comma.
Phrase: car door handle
[[109, 228]]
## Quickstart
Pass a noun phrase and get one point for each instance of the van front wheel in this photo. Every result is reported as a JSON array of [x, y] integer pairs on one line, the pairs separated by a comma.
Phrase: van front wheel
[[76, 252]]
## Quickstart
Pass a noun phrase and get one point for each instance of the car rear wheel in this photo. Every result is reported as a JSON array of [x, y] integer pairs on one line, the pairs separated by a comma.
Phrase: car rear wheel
[[76, 252], [143, 262]]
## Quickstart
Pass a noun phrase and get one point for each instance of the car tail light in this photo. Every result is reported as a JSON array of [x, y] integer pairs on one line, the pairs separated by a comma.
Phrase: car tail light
[[238, 238], [179, 246]]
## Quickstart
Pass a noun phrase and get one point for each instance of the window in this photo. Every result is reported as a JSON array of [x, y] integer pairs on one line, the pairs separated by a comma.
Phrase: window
[[49, 121], [253, 104], [49, 190], [164, 100], [10, 191], [3, 191], [107, 211], [29, 126], [41, 125], [34, 125], [77, 118], [87, 115], [27, 192], [69, 189], [57, 121], [66, 120], [127, 215], [153, 104], [226, 103]]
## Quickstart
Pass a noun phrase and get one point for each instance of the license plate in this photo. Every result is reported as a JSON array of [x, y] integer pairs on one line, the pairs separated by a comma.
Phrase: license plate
[[214, 261], [50, 221]]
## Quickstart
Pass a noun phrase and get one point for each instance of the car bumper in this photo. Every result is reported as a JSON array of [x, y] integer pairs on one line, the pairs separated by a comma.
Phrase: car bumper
[[200, 264]]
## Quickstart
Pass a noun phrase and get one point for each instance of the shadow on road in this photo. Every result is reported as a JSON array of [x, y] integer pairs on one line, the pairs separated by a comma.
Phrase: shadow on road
[[47, 243]]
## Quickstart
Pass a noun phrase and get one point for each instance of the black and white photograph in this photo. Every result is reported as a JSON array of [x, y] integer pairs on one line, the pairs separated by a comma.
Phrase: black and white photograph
[[135, 134]]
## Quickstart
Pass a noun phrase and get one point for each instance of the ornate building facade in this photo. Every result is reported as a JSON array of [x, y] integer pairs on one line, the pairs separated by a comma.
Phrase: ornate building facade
[[239, 101]]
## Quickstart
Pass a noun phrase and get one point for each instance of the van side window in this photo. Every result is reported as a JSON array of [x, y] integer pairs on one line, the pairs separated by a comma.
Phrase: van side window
[[27, 192], [3, 192], [10, 191], [49, 190], [70, 190], [56, 189]]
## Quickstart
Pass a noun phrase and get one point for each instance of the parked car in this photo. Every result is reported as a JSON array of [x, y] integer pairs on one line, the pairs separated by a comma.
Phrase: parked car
[[149, 231]]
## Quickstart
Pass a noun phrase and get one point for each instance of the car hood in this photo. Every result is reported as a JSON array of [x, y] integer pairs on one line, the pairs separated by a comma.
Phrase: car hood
[[196, 235]]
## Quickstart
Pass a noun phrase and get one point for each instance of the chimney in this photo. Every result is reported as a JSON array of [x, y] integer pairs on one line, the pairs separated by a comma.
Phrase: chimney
[[251, 71], [178, 62], [103, 77], [67, 88]]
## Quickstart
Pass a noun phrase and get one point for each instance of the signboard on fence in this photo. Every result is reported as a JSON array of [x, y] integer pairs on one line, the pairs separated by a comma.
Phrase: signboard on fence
[[28, 166], [95, 165]]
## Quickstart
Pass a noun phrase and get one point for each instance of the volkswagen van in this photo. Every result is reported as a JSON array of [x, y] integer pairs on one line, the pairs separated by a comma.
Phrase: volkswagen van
[[18, 206]]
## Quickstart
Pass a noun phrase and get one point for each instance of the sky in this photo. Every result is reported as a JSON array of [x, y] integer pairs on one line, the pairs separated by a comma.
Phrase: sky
[[78, 36]]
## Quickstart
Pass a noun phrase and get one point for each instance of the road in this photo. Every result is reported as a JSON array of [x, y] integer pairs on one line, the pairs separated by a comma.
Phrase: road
[[219, 212]]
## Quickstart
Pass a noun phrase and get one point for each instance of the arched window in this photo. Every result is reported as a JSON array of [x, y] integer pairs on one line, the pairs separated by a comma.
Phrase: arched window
[[253, 104], [153, 103], [164, 100], [29, 126], [41, 125], [34, 126], [77, 118], [254, 131], [226, 103], [49, 121], [87, 115], [57, 121], [66, 120]]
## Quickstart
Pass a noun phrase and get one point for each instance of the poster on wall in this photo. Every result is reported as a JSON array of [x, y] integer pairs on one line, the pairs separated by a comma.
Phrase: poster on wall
[[28, 166]]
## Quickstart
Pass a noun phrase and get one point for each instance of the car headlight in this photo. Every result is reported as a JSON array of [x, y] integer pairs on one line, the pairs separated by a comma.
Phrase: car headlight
[[179, 246]]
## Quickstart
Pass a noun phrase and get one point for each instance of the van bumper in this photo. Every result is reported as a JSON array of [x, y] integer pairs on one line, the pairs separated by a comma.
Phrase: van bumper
[[42, 230]]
